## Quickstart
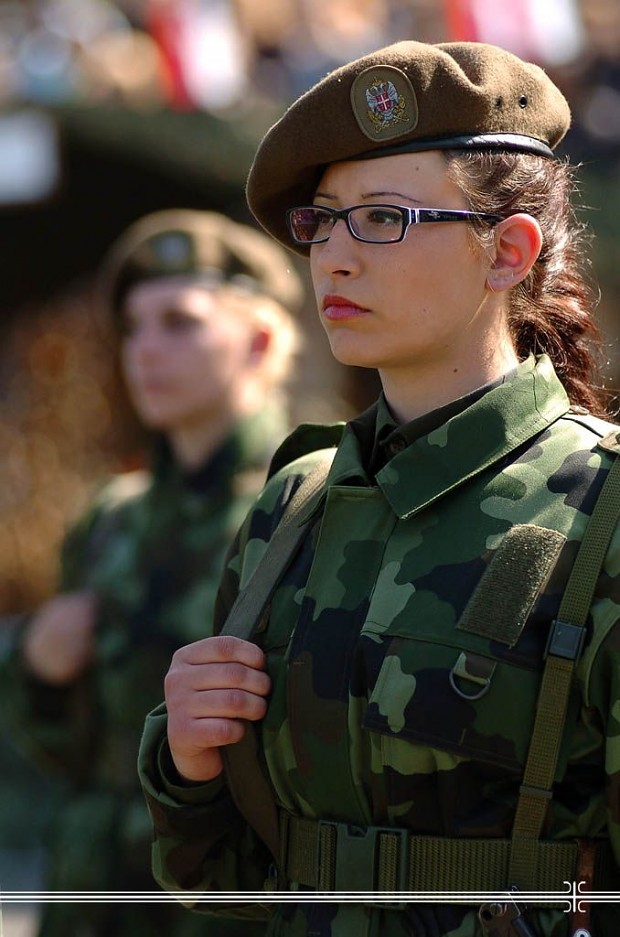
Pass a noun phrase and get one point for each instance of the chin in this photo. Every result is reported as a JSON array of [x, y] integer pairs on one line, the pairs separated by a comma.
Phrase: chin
[[349, 350], [156, 420]]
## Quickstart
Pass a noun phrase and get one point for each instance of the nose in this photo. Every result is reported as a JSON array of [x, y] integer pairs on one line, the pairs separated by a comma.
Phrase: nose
[[143, 345], [339, 255]]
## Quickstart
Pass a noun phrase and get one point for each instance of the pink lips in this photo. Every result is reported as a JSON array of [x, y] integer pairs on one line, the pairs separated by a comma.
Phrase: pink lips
[[336, 308]]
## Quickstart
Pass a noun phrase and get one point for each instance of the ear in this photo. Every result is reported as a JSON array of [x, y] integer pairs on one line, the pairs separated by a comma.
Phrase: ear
[[261, 341], [518, 240]]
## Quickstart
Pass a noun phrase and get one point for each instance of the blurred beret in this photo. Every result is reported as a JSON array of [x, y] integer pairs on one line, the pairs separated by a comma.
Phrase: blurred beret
[[184, 242], [407, 97]]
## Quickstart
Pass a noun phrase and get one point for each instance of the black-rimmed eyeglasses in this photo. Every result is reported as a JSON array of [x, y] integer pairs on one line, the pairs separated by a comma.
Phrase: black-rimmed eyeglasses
[[374, 224]]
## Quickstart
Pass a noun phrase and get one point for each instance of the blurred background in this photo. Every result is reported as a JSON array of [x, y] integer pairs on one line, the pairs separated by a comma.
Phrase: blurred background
[[109, 110]]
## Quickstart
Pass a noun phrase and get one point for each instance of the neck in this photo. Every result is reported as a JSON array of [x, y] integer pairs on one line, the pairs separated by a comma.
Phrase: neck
[[411, 395], [195, 441], [194, 444]]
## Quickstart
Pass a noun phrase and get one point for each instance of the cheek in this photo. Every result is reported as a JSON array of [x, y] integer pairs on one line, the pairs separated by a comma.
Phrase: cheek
[[218, 359], [127, 361]]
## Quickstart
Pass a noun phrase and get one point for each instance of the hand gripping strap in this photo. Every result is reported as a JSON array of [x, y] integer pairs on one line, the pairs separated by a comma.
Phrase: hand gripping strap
[[563, 650], [247, 782]]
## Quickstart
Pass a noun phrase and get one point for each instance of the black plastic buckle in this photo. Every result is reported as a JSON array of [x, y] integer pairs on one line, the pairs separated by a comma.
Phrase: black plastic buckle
[[565, 640], [356, 858]]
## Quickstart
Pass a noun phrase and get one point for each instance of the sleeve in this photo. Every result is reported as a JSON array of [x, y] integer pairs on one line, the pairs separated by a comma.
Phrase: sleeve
[[201, 841], [48, 724]]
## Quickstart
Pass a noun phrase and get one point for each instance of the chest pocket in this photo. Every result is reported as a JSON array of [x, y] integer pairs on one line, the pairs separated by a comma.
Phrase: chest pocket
[[469, 687], [422, 695]]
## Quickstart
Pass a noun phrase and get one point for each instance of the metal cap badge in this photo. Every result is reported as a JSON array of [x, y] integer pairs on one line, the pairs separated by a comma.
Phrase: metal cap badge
[[384, 103]]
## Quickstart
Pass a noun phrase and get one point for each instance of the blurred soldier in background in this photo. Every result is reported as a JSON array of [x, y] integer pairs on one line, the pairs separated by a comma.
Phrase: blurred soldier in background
[[203, 308]]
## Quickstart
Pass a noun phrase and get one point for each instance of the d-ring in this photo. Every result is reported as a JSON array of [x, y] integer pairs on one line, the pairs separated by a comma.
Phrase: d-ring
[[467, 696]]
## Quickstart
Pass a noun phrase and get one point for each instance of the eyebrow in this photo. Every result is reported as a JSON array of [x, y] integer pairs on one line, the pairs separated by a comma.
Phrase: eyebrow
[[366, 195]]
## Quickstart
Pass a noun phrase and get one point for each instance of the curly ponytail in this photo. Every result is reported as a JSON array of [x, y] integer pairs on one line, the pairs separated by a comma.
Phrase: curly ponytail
[[551, 310]]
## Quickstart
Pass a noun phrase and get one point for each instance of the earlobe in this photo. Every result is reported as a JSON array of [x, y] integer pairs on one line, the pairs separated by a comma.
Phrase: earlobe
[[518, 241]]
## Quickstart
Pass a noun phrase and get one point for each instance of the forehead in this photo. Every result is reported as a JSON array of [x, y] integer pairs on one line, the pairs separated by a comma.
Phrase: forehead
[[413, 175], [163, 292]]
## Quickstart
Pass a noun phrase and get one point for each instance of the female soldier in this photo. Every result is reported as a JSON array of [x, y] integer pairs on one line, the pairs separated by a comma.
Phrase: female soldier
[[206, 339], [395, 681]]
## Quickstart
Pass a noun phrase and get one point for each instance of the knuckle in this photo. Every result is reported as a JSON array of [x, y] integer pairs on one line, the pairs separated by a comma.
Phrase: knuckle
[[225, 732], [234, 700], [237, 674], [226, 647], [173, 682]]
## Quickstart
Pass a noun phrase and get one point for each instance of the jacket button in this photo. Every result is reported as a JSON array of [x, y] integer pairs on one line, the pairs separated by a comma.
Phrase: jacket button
[[397, 445]]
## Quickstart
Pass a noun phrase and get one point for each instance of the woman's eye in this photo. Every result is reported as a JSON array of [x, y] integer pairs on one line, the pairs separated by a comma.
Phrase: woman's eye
[[178, 321], [322, 222], [382, 217]]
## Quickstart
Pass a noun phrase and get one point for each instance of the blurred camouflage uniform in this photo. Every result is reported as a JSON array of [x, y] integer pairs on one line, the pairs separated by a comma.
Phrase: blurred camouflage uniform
[[376, 665], [152, 548]]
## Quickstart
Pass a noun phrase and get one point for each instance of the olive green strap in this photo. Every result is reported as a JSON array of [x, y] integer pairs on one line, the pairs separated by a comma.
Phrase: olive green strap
[[247, 781], [563, 650], [252, 600], [337, 857]]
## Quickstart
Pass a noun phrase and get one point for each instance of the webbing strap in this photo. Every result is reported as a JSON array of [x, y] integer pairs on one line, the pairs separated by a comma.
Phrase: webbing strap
[[248, 784], [252, 600], [582, 582], [564, 647], [335, 857]]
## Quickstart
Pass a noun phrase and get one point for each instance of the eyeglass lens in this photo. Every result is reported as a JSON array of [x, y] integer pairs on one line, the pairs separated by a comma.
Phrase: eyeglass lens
[[378, 223]]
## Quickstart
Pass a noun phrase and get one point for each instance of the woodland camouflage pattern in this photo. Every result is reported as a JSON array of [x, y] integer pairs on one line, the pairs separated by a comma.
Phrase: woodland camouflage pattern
[[152, 547], [363, 724]]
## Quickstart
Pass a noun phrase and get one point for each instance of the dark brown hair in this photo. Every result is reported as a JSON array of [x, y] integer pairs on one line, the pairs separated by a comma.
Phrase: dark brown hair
[[551, 310]]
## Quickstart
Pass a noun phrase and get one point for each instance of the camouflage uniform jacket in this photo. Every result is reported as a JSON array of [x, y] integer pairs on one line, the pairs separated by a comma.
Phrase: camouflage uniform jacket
[[364, 724], [152, 547]]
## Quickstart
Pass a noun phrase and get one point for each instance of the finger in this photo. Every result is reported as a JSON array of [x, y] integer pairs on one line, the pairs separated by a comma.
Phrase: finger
[[223, 703], [226, 703], [217, 732], [191, 738], [227, 676], [185, 679], [222, 648]]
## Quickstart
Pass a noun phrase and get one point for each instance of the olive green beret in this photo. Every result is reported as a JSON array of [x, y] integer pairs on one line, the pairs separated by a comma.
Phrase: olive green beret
[[406, 97], [184, 242]]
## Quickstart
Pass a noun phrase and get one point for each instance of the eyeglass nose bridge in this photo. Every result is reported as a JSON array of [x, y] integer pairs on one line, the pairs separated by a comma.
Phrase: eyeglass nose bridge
[[342, 214]]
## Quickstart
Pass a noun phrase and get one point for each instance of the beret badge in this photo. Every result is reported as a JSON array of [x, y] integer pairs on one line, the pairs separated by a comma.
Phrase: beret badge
[[173, 250], [384, 103]]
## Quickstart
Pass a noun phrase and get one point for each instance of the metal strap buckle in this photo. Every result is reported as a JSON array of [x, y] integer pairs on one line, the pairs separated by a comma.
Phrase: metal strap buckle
[[565, 640], [356, 858]]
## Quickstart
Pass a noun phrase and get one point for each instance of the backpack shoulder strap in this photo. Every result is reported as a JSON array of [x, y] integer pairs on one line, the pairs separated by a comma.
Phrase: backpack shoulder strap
[[251, 601], [249, 786], [564, 647]]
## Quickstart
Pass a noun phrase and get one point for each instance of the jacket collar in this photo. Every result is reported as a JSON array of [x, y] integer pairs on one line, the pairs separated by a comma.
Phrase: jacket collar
[[247, 448], [496, 424]]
